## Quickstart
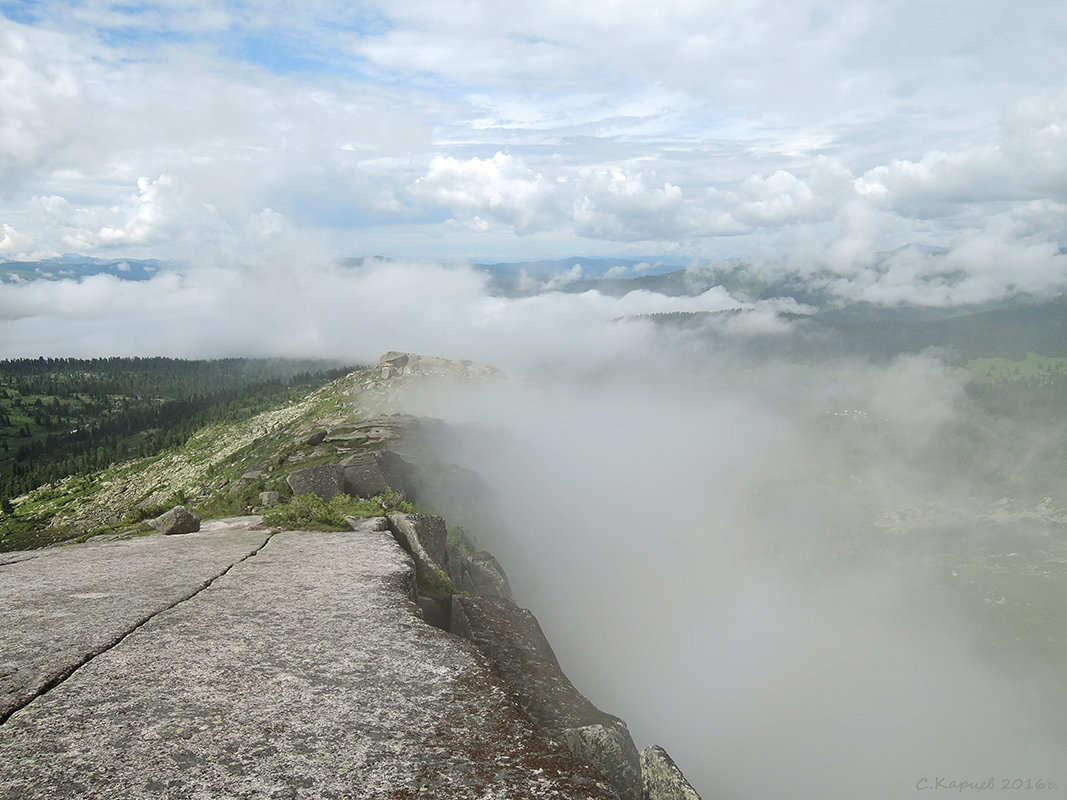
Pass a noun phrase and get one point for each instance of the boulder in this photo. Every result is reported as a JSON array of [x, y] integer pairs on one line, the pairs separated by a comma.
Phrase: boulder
[[362, 475], [269, 499], [610, 748], [661, 777], [433, 612], [368, 524], [481, 574], [178, 520], [397, 472], [371, 472], [310, 439], [423, 536], [325, 480], [511, 638]]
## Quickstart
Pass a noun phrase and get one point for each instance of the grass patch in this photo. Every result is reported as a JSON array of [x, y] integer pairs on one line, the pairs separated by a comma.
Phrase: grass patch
[[310, 512]]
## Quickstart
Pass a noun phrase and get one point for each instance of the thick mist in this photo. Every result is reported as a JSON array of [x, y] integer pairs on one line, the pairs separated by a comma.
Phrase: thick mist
[[753, 564]]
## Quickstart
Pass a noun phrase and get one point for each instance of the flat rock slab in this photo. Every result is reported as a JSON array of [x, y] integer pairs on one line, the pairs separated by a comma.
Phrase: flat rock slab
[[62, 605], [303, 672]]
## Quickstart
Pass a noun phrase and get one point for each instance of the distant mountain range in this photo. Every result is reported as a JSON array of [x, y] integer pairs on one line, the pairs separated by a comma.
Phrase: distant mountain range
[[75, 266]]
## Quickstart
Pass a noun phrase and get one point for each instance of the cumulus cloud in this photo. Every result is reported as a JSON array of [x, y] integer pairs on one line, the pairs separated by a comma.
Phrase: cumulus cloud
[[502, 186], [934, 185], [11, 241], [1034, 135], [798, 135], [612, 204], [775, 199]]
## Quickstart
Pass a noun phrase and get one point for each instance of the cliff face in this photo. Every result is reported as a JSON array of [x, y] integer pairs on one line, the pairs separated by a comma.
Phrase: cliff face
[[238, 661]]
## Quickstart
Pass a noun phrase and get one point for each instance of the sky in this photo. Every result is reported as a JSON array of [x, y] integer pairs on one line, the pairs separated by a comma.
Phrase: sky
[[806, 135]]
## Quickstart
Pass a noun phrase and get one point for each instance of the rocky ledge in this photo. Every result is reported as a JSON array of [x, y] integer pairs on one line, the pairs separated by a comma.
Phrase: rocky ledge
[[234, 661], [237, 663], [303, 670]]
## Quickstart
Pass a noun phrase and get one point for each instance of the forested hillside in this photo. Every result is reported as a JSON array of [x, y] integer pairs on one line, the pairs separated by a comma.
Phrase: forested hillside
[[66, 416]]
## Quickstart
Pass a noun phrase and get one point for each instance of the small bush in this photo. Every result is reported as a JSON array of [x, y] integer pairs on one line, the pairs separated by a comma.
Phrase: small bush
[[305, 512], [222, 505], [436, 584], [460, 542]]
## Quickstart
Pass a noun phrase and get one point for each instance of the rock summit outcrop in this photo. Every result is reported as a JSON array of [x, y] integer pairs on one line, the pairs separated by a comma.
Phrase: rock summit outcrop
[[395, 365]]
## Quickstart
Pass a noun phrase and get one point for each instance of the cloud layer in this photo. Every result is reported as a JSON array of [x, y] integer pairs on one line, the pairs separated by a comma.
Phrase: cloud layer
[[808, 136]]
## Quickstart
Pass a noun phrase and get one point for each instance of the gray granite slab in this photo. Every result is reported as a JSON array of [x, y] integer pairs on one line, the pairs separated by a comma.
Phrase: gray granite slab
[[303, 672], [62, 605]]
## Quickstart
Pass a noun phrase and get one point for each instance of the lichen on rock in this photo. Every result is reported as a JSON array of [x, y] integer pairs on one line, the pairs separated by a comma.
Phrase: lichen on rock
[[662, 778]]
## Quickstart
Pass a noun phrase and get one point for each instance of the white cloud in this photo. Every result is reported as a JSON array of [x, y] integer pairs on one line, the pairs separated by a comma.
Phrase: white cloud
[[613, 204], [11, 241], [1034, 135], [805, 133], [285, 302], [937, 183], [776, 199], [42, 103], [502, 186]]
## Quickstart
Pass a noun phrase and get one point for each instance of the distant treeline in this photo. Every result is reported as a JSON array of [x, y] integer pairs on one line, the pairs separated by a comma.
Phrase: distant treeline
[[67, 416]]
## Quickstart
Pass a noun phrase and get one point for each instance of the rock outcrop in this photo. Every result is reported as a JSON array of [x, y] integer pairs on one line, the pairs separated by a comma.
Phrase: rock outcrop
[[662, 778], [181, 666], [178, 520], [395, 365], [325, 480], [481, 574], [363, 474], [511, 638], [371, 472], [62, 606], [425, 537]]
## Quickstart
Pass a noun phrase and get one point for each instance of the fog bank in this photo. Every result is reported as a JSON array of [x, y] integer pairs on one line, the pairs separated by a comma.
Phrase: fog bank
[[750, 564]]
